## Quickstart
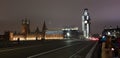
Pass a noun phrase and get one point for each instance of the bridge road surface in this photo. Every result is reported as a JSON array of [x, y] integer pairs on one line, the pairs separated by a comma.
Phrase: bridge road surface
[[53, 49]]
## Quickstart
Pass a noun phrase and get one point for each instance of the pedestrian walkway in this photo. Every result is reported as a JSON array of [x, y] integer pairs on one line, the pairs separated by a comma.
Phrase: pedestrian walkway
[[106, 52]]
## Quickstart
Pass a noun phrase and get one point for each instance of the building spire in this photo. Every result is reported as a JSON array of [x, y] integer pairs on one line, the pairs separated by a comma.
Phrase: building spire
[[86, 12], [37, 30], [44, 28]]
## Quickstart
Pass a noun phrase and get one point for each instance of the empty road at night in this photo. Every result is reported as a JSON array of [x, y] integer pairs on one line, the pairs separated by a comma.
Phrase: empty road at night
[[51, 49]]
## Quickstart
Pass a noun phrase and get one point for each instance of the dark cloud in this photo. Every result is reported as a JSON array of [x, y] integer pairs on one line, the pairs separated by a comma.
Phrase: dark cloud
[[58, 13]]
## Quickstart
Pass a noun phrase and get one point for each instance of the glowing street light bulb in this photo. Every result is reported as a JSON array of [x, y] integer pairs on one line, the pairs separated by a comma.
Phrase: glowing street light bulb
[[68, 34]]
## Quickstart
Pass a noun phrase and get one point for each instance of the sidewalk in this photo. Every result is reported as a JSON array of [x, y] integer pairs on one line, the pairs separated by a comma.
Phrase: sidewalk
[[106, 53]]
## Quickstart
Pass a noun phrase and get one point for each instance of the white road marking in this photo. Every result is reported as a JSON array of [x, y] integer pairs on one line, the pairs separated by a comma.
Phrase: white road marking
[[5, 50], [50, 51], [72, 40], [78, 51], [91, 51], [18, 48]]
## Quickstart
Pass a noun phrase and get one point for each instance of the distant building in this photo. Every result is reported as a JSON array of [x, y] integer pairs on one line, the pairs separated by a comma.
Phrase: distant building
[[54, 34], [5, 36], [111, 31], [25, 27], [26, 34], [71, 33], [45, 34], [86, 23]]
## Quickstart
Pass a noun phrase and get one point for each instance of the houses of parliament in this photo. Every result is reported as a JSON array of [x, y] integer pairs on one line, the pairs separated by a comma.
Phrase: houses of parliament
[[26, 34], [44, 34]]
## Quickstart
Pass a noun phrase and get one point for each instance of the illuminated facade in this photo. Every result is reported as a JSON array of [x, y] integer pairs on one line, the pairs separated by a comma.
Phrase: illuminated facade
[[26, 34], [86, 23], [54, 34], [70, 33], [25, 27]]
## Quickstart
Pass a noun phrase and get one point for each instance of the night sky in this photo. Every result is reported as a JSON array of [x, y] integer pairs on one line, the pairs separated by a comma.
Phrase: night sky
[[58, 13]]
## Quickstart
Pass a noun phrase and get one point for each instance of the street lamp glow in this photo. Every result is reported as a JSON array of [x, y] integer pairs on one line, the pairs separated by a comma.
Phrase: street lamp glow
[[68, 34], [109, 33]]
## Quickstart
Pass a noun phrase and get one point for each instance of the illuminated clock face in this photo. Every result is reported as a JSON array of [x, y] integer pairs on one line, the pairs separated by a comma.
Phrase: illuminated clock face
[[85, 21]]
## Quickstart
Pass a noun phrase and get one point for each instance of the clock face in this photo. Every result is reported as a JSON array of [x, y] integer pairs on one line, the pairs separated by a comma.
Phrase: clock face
[[85, 21]]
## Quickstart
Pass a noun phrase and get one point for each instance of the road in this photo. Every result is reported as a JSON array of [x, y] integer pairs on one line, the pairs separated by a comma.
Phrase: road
[[51, 49]]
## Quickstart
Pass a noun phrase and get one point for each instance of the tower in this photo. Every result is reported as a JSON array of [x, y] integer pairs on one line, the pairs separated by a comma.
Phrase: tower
[[25, 26], [37, 31], [44, 28], [86, 23]]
